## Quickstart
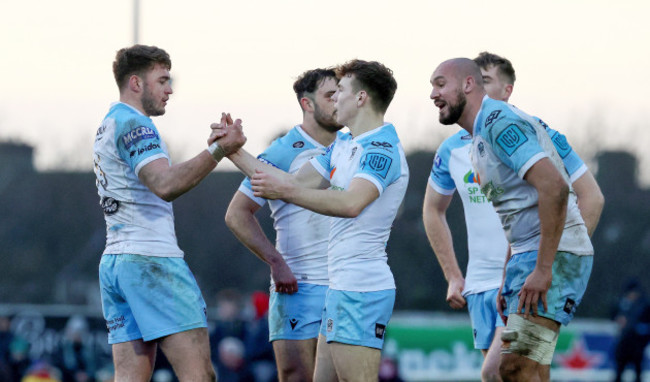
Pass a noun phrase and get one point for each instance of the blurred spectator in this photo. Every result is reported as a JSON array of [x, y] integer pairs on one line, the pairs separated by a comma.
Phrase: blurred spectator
[[6, 336], [229, 321], [76, 359], [105, 373], [162, 375], [41, 371], [388, 370], [259, 351], [231, 364], [632, 315], [19, 359]]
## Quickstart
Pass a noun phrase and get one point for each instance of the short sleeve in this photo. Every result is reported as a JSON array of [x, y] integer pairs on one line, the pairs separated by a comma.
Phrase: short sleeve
[[515, 142], [440, 178], [138, 142], [381, 167], [322, 163]]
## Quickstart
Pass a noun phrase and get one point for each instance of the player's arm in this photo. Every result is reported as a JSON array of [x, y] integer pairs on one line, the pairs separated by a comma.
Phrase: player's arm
[[240, 218], [248, 164], [553, 194], [306, 176], [434, 216], [501, 301], [590, 200], [170, 182], [347, 203]]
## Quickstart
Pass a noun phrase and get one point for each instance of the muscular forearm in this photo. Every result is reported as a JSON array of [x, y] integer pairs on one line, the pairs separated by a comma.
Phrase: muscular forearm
[[343, 204], [552, 216], [170, 182], [247, 163], [440, 238], [247, 229]]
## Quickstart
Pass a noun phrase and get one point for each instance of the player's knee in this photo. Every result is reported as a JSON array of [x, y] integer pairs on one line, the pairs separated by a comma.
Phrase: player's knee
[[205, 373], [509, 370], [294, 372], [528, 339]]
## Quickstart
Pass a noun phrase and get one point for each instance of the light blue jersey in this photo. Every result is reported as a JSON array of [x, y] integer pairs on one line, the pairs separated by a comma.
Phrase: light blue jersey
[[301, 235], [137, 221], [357, 246], [452, 171], [506, 144]]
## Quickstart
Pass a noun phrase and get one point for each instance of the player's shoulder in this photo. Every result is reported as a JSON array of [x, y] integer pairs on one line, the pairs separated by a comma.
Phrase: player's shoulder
[[283, 150], [122, 112], [382, 137], [459, 139], [497, 116]]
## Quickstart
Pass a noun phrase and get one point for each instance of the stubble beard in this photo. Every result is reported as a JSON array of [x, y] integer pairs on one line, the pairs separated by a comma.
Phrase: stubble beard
[[327, 122], [455, 110], [149, 103]]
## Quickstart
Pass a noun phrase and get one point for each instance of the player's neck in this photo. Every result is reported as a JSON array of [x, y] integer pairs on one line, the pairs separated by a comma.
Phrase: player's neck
[[467, 119], [318, 133], [365, 122], [133, 102]]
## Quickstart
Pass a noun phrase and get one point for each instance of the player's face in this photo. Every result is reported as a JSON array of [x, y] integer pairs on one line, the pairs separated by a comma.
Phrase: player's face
[[156, 90], [494, 86], [345, 100], [324, 111], [448, 96]]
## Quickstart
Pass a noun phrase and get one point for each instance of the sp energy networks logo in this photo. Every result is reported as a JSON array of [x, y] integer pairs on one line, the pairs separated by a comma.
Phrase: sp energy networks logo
[[472, 182], [471, 178]]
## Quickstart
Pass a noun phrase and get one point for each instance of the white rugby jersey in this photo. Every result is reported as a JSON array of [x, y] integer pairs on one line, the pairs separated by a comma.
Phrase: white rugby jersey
[[301, 235], [357, 246], [506, 144], [487, 245], [137, 221]]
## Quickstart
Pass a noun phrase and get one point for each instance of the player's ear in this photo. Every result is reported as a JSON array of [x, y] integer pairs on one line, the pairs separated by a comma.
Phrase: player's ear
[[306, 104], [469, 85], [362, 97], [508, 90], [135, 83]]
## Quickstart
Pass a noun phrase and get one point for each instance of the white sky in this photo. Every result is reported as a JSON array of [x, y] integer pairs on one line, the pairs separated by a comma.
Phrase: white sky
[[581, 65]]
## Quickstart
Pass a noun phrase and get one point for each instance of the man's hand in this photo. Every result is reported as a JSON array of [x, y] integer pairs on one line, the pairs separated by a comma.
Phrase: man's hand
[[219, 129], [228, 134], [455, 297], [535, 288], [276, 186], [285, 281]]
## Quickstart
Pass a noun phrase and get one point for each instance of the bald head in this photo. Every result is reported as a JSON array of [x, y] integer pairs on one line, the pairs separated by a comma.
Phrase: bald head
[[457, 90], [462, 68]]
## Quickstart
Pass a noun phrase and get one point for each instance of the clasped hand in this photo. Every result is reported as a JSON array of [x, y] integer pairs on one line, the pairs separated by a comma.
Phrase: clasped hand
[[228, 134]]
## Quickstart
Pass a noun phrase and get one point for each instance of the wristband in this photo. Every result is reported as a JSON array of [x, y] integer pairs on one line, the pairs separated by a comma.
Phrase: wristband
[[216, 151]]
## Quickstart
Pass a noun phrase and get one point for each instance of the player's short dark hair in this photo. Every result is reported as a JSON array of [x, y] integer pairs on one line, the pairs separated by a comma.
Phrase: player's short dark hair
[[138, 59], [309, 81], [503, 65], [373, 77]]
